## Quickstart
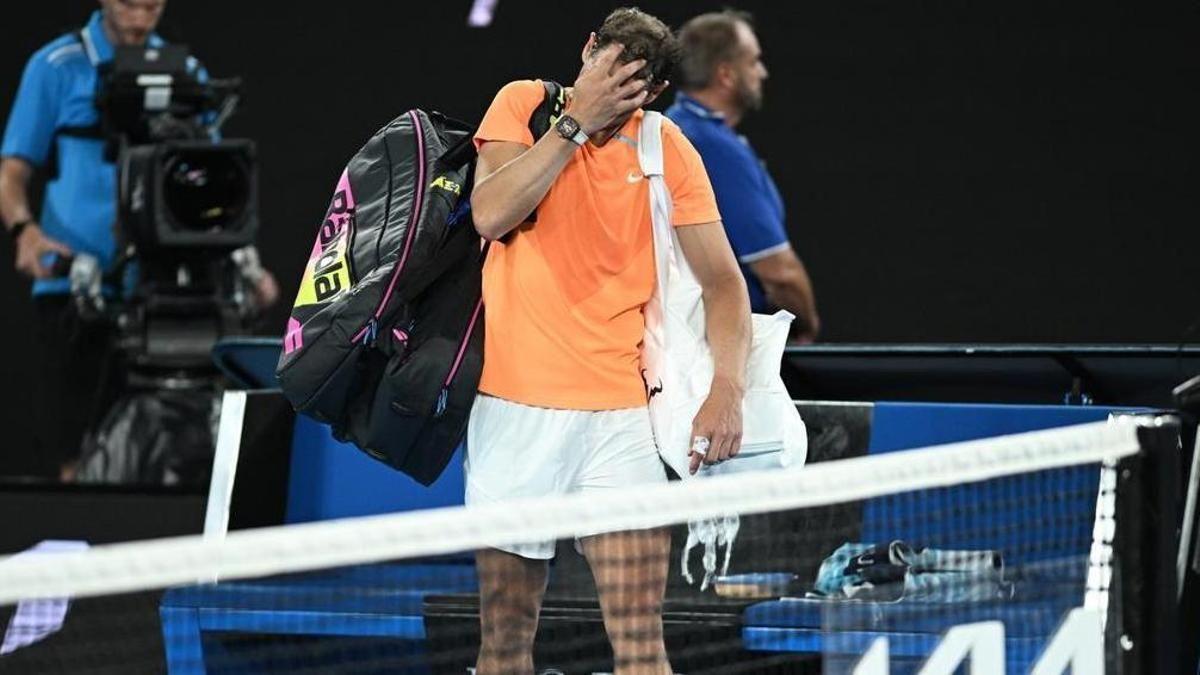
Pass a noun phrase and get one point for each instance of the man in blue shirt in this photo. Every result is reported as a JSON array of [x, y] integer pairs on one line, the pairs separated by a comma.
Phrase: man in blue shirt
[[54, 122], [720, 78]]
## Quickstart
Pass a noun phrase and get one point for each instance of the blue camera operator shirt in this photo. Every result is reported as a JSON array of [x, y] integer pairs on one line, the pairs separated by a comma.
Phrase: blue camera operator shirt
[[750, 205], [58, 91]]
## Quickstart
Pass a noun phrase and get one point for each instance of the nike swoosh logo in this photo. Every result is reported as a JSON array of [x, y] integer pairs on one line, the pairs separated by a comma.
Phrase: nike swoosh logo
[[633, 177]]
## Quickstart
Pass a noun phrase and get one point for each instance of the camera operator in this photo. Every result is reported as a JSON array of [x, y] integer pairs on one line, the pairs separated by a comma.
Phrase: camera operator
[[54, 126]]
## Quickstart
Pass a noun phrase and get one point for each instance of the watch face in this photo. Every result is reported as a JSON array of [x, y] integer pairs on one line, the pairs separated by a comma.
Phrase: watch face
[[567, 126]]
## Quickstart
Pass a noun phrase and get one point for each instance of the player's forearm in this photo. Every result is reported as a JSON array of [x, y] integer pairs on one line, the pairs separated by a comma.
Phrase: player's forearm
[[505, 198], [14, 191], [727, 317]]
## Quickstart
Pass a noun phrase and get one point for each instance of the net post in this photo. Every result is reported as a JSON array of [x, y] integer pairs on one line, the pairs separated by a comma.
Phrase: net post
[[1143, 628], [1188, 564]]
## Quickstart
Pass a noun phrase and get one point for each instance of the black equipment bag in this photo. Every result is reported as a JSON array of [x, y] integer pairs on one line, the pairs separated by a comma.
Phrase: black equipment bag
[[385, 338]]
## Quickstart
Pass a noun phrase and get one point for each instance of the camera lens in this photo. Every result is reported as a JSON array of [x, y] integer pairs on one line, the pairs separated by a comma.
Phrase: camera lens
[[205, 191]]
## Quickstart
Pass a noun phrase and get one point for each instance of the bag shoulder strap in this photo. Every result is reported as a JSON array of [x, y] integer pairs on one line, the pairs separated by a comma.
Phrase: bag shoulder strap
[[545, 115], [462, 151], [650, 144], [650, 158]]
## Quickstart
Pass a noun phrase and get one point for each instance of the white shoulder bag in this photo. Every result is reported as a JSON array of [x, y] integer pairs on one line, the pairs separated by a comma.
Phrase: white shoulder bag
[[678, 367]]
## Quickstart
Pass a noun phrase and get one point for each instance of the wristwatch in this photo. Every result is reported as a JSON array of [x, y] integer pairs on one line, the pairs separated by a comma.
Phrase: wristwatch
[[568, 128]]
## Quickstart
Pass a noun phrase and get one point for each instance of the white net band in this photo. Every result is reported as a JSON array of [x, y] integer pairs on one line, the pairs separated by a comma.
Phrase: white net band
[[136, 566]]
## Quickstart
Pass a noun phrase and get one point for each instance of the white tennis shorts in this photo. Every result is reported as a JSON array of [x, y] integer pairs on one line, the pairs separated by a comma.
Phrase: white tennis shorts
[[516, 451]]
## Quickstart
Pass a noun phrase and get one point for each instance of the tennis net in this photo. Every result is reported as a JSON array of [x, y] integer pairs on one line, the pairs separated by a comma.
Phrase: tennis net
[[1031, 551]]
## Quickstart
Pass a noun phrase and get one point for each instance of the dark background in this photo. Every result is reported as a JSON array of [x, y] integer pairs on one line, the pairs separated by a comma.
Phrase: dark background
[[1008, 171]]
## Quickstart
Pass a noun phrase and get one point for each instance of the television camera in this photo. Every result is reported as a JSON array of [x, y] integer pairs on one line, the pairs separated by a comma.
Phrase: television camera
[[187, 217], [187, 209]]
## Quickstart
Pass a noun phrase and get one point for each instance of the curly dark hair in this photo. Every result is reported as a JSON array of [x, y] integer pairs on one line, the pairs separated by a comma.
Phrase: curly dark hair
[[644, 37]]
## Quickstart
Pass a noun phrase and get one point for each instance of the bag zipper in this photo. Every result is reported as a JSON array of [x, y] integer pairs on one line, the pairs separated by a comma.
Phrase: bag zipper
[[368, 332], [352, 223], [444, 394]]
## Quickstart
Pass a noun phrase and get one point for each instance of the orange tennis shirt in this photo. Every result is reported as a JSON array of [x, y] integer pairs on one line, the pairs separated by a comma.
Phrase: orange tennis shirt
[[563, 296]]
